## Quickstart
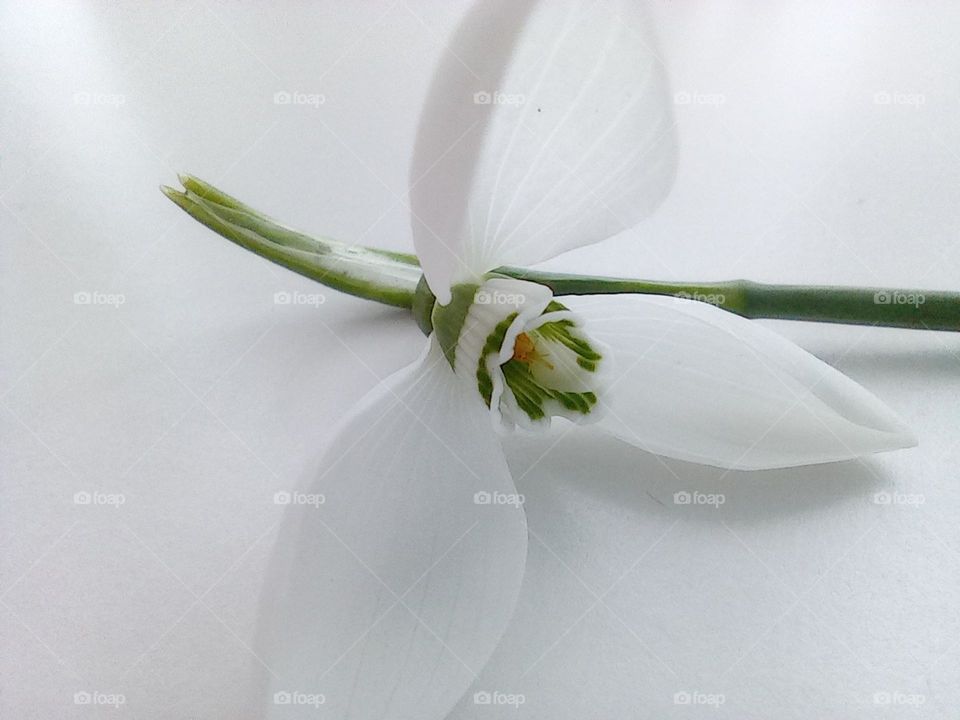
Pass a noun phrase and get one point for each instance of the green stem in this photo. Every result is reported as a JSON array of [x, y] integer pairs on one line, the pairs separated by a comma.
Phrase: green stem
[[888, 307], [392, 277]]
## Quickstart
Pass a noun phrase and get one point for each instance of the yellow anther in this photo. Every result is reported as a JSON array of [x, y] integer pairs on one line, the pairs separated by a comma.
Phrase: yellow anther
[[525, 350]]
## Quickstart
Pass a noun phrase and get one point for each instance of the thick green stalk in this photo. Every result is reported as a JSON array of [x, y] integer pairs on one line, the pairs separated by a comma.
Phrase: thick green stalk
[[888, 307], [392, 277]]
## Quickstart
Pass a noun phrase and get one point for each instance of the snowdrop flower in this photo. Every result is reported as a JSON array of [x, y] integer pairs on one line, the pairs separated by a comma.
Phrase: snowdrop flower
[[547, 127]]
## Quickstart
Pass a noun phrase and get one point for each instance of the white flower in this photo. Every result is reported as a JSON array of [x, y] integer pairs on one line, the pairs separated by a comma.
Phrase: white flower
[[390, 597]]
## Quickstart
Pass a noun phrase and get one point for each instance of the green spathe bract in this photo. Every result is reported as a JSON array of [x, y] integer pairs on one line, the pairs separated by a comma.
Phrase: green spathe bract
[[380, 275]]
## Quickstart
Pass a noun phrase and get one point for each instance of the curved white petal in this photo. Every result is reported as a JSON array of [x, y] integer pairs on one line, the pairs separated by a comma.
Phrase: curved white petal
[[701, 384], [394, 579], [547, 127]]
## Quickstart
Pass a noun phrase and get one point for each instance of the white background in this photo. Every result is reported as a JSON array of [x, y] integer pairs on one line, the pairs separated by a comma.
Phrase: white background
[[198, 397]]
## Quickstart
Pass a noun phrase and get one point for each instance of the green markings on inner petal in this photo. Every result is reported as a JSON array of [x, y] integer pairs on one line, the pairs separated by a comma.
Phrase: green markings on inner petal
[[492, 345], [448, 319], [532, 395], [559, 331]]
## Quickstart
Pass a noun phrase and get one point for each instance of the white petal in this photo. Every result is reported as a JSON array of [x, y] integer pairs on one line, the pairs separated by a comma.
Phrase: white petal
[[575, 144], [389, 596], [701, 384]]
